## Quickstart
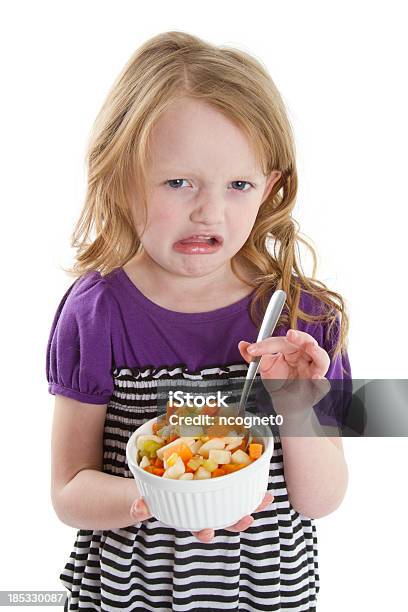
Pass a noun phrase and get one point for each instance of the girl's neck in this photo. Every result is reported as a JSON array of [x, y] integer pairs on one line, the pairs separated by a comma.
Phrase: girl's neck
[[186, 294]]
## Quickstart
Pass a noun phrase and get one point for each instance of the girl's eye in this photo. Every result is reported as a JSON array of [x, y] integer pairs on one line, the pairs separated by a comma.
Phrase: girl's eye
[[242, 183], [175, 181], [239, 183]]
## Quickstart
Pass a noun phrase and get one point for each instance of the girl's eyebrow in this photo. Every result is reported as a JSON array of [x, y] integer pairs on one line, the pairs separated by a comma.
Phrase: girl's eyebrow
[[176, 172]]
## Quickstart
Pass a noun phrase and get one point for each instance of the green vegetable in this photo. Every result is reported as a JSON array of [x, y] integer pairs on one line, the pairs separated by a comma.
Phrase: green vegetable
[[149, 448], [210, 465]]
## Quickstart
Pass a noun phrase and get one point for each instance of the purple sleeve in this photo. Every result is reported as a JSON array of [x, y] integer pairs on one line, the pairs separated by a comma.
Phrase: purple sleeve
[[333, 408], [79, 353]]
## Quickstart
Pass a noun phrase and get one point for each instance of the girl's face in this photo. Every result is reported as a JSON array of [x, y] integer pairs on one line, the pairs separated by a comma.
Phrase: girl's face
[[204, 190]]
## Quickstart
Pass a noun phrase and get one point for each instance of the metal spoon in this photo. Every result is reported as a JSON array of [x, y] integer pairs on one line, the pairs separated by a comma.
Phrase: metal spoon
[[269, 322]]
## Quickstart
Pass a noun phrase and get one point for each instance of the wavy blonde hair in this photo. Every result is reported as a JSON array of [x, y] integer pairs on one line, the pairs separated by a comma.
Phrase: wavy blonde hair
[[174, 65]]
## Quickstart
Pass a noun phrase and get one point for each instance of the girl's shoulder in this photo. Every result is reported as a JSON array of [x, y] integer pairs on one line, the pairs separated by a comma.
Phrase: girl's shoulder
[[79, 359], [89, 296], [88, 288]]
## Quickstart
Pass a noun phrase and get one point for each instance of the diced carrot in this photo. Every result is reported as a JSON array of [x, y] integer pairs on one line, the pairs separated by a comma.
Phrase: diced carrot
[[233, 467], [185, 452], [189, 469], [154, 470], [255, 450], [182, 450], [218, 472], [158, 463]]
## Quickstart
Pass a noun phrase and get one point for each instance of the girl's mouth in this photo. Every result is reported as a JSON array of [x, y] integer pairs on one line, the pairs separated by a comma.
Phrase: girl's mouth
[[198, 245]]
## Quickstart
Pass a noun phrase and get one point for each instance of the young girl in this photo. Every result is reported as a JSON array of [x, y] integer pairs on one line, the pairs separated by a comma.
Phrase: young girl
[[192, 181]]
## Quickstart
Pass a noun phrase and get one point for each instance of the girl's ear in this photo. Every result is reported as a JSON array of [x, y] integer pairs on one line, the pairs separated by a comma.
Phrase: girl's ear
[[273, 178]]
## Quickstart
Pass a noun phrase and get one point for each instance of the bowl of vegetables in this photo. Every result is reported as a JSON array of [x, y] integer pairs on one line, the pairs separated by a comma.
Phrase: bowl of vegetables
[[199, 481]]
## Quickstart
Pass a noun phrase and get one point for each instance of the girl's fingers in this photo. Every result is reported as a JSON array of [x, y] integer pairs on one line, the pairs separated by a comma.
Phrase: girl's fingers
[[242, 524], [139, 510], [274, 367], [204, 535], [242, 347], [275, 344], [268, 499], [247, 521], [319, 357], [295, 344]]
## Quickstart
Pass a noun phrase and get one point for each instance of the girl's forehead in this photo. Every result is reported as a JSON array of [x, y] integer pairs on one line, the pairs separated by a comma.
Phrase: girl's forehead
[[194, 137]]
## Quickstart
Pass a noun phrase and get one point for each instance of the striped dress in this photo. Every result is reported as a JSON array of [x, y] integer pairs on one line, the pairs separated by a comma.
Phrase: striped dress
[[111, 345]]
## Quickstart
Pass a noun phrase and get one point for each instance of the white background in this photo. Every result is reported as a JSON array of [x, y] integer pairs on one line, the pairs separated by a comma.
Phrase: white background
[[341, 68]]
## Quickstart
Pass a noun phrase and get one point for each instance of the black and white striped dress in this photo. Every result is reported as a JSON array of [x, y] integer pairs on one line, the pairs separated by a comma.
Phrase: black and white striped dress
[[148, 566]]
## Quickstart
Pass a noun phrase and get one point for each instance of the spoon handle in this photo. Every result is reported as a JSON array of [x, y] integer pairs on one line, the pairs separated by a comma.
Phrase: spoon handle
[[271, 317]]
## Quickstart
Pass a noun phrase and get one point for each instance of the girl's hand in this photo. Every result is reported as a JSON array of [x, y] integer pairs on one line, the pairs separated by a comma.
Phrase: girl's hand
[[206, 535], [292, 369], [140, 512]]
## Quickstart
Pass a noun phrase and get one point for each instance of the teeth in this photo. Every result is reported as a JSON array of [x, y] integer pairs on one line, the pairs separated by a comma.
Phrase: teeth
[[201, 237]]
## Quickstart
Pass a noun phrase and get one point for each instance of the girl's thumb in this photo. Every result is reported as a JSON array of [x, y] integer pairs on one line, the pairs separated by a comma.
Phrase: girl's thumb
[[139, 511]]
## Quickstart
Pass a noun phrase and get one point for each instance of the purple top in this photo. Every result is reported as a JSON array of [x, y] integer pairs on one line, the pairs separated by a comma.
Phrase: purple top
[[103, 322]]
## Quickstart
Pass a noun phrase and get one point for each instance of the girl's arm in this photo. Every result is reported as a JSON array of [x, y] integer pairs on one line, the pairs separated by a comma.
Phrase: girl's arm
[[316, 472], [82, 495]]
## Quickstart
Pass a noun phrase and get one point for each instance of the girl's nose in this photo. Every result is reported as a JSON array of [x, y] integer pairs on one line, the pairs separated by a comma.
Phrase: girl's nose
[[208, 209]]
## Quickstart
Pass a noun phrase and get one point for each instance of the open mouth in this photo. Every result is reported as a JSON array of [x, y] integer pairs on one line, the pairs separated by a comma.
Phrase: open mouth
[[202, 239], [199, 244]]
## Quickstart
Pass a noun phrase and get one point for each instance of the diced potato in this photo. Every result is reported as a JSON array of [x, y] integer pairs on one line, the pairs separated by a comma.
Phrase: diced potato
[[144, 462], [229, 439], [175, 470], [220, 456], [209, 464], [194, 447], [186, 476], [175, 442], [213, 444], [233, 442], [202, 474], [240, 457]]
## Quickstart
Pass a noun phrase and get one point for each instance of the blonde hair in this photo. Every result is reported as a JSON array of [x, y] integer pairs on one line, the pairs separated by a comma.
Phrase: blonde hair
[[174, 65]]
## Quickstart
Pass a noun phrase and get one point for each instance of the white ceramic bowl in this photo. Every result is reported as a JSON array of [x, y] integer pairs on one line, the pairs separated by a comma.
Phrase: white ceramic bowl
[[199, 504]]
